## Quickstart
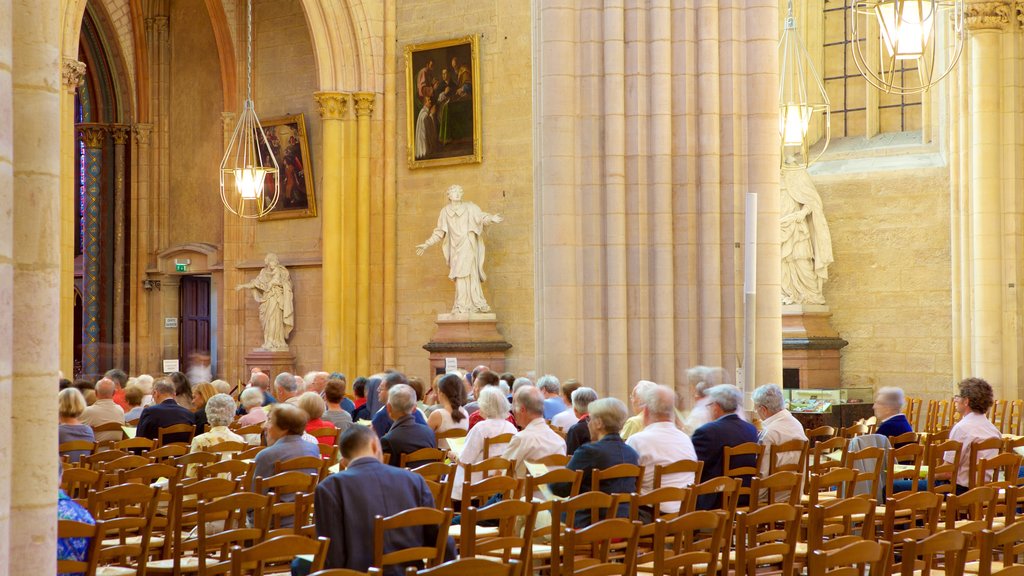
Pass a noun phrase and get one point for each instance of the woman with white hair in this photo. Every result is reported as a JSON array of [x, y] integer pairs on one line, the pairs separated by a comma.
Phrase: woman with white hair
[[493, 406], [145, 382], [888, 405], [220, 411]]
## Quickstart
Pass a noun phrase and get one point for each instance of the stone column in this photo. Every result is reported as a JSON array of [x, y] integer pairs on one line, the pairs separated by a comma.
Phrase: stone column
[[985, 22], [94, 136], [140, 248], [333, 108], [161, 61], [364, 111], [6, 277], [120, 133], [35, 217], [72, 75]]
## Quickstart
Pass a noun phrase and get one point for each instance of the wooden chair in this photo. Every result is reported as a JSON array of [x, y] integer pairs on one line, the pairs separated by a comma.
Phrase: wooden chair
[[554, 460], [617, 472], [767, 535], [970, 513], [872, 459], [910, 455], [727, 490], [127, 513], [566, 513], [1008, 541], [912, 410], [777, 453], [826, 455], [937, 466], [79, 449], [777, 487], [109, 427], [532, 483], [420, 457], [911, 515], [836, 523], [976, 448], [997, 414], [237, 470], [695, 467], [137, 444], [183, 517], [557, 430], [938, 416], [477, 493], [489, 467], [836, 483], [1015, 419], [598, 538], [904, 439], [428, 518], [449, 433], [285, 509], [458, 567], [853, 431], [440, 478], [77, 483], [1002, 469], [496, 441], [72, 529], [863, 558], [163, 454], [689, 542], [280, 549], [819, 434], [150, 474], [329, 453], [226, 447], [197, 459], [188, 429], [247, 430], [666, 502], [306, 464], [326, 432], [513, 540], [920, 556], [249, 454]]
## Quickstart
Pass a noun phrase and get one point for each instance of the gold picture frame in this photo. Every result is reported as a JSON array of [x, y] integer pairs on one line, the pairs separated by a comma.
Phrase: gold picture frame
[[290, 147], [449, 133]]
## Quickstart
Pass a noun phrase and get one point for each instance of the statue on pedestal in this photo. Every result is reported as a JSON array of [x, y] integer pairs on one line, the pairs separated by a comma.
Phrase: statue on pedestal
[[272, 289], [806, 243], [459, 229]]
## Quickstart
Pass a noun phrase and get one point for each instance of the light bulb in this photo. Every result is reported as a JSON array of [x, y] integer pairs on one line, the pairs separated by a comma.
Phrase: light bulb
[[905, 26], [793, 122], [249, 181]]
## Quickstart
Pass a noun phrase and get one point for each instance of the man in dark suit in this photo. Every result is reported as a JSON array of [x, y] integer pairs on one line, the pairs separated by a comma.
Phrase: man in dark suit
[[164, 412], [406, 434], [725, 429], [347, 502], [382, 421]]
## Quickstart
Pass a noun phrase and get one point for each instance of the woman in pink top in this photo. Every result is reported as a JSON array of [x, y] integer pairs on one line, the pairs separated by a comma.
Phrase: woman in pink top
[[252, 402]]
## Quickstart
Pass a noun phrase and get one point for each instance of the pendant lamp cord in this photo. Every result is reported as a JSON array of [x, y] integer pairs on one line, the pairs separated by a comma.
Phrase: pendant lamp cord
[[248, 61]]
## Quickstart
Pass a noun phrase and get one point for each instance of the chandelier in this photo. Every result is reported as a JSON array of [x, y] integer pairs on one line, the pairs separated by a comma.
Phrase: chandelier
[[905, 34], [249, 167], [797, 106]]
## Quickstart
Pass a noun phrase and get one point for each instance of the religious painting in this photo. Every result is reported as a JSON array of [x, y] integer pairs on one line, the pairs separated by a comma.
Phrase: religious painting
[[289, 145], [443, 102]]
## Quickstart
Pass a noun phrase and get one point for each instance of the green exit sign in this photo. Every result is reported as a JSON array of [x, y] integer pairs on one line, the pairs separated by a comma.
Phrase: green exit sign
[[181, 267]]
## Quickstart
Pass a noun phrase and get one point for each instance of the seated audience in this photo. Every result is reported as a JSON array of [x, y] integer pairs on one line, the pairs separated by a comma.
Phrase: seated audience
[[382, 420], [635, 423], [120, 380], [133, 395], [359, 391], [888, 416], [346, 404], [483, 380], [252, 406], [105, 411], [535, 439], [972, 402], [346, 504], [313, 405], [579, 433], [164, 412], [777, 427], [451, 396], [566, 418], [725, 429], [70, 405], [406, 435], [285, 426], [606, 450], [220, 411], [200, 394], [660, 442], [334, 395], [494, 408], [76, 549], [549, 385]]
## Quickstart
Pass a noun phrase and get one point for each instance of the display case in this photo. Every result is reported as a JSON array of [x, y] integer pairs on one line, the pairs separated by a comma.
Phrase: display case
[[838, 408]]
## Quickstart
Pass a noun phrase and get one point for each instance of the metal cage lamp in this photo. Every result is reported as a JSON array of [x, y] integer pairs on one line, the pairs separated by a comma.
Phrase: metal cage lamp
[[802, 96]]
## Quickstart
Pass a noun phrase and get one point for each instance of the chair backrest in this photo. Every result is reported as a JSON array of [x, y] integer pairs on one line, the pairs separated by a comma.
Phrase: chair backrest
[[198, 459], [431, 518], [778, 487], [495, 441], [281, 549], [826, 454], [77, 483], [656, 501], [834, 523], [904, 463], [1002, 469], [440, 478], [912, 410], [854, 430], [435, 471], [231, 469], [616, 472], [485, 488], [285, 486], [842, 479], [554, 460], [598, 538], [1009, 541], [135, 444], [303, 463], [905, 438], [727, 488], [226, 447], [862, 558], [820, 434], [938, 467], [910, 515], [248, 430], [169, 452], [127, 514], [514, 538], [921, 554], [77, 449], [997, 413], [972, 512], [777, 453], [230, 515], [72, 529], [123, 463], [688, 541], [182, 513], [326, 432], [533, 483], [457, 567], [1016, 416], [423, 455], [869, 463], [179, 431], [489, 467], [249, 454], [149, 474], [450, 433], [767, 535], [110, 427], [732, 456], [695, 467], [976, 448]]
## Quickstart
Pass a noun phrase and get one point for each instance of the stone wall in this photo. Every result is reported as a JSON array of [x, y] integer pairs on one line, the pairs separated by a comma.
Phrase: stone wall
[[503, 183]]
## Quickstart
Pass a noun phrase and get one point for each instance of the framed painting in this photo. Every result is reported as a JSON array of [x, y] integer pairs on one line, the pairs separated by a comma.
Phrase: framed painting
[[443, 102], [289, 145]]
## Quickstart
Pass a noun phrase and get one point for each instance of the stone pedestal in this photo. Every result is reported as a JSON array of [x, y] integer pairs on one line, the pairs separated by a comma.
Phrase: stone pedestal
[[810, 347], [271, 362], [471, 338]]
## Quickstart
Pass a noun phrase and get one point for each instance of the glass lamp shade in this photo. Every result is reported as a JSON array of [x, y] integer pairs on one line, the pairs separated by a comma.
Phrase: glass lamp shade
[[794, 119], [250, 179], [802, 97], [905, 27]]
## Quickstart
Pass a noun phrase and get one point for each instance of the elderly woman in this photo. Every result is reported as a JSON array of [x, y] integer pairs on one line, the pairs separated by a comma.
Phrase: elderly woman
[[145, 383], [973, 400], [70, 405], [219, 410], [133, 396], [493, 406], [200, 394], [888, 405], [605, 450], [313, 405]]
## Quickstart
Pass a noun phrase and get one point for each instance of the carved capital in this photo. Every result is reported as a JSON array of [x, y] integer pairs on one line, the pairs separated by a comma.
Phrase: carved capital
[[120, 133], [142, 132], [332, 105], [93, 135], [159, 23], [364, 103], [987, 15], [1019, 10], [72, 73]]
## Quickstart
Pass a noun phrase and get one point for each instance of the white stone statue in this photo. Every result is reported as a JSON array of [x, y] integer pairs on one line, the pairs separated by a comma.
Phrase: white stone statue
[[806, 242], [272, 289], [459, 229]]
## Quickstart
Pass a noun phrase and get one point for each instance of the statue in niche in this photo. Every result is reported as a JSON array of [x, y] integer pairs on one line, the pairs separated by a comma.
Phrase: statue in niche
[[806, 243], [459, 229], [272, 289]]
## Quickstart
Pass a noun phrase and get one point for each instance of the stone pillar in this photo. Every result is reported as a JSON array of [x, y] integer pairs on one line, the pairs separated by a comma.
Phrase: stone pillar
[[985, 22], [34, 217], [120, 133], [6, 278], [161, 61], [141, 347], [72, 75], [333, 107], [94, 136], [364, 111]]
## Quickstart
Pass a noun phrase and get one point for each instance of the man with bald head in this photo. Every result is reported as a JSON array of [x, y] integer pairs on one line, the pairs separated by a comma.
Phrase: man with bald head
[[104, 411], [660, 441], [535, 439]]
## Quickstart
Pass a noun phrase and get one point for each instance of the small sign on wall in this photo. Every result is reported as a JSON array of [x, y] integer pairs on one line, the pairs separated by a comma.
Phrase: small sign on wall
[[170, 322], [451, 364], [170, 366]]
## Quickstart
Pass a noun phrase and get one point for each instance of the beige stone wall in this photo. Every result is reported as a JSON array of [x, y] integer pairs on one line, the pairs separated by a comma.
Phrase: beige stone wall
[[503, 183], [889, 288], [196, 101]]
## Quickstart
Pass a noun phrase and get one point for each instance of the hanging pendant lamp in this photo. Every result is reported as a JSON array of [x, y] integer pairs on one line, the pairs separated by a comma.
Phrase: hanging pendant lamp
[[250, 179], [801, 96]]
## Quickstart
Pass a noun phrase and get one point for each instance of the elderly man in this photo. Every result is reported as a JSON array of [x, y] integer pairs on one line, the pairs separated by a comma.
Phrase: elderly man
[[888, 405], [347, 502], [725, 429], [406, 434], [635, 423], [120, 379], [481, 380], [552, 390], [382, 420], [660, 442], [285, 427], [104, 411], [164, 412], [566, 418], [535, 439], [316, 381], [286, 388], [579, 433], [777, 425]]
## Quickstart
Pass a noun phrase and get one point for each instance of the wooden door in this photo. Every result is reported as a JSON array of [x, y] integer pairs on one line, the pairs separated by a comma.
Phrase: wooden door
[[195, 317]]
